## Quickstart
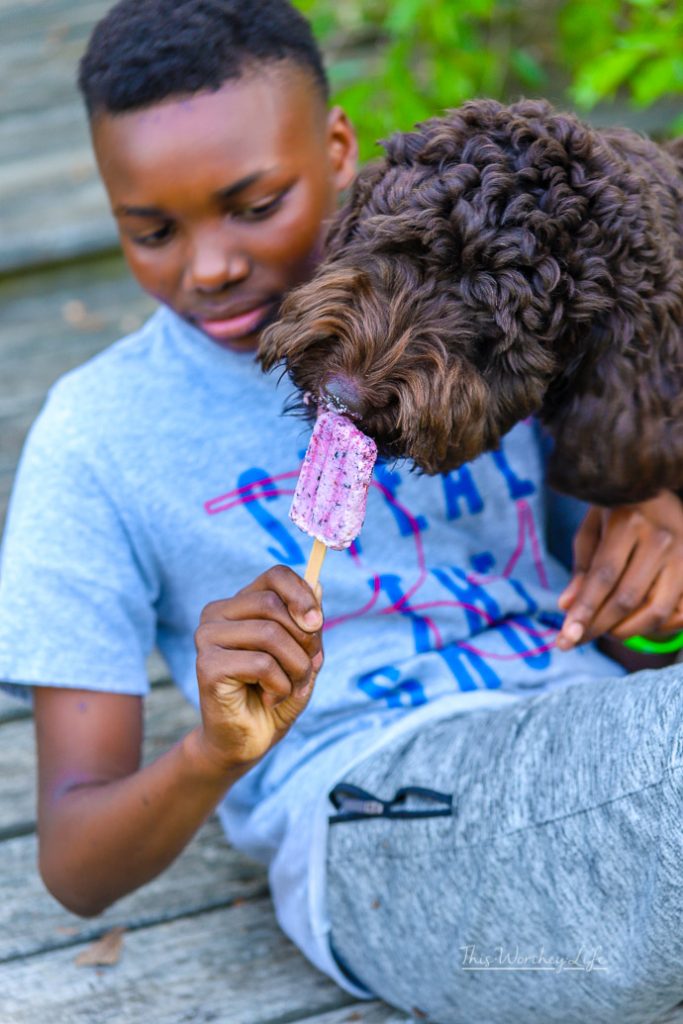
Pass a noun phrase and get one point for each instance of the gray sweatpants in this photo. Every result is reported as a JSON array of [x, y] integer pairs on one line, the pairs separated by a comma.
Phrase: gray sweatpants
[[531, 870]]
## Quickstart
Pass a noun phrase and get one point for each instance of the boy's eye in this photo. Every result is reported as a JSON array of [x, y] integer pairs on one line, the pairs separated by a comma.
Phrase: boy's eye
[[154, 238], [258, 211]]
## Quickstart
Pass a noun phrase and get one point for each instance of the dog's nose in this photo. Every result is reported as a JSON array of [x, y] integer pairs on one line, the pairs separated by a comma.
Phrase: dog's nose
[[343, 394]]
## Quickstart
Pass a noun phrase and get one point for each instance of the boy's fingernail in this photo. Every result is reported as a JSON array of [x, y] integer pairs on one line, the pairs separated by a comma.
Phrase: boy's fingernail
[[312, 619], [571, 634]]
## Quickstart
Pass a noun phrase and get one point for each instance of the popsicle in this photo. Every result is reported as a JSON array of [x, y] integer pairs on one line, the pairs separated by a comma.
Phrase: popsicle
[[332, 489]]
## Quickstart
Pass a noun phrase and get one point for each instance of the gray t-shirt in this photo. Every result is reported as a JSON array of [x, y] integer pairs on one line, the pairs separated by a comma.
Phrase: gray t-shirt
[[159, 477]]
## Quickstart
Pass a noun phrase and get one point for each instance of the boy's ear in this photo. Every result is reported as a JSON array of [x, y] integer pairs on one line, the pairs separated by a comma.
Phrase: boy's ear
[[342, 147]]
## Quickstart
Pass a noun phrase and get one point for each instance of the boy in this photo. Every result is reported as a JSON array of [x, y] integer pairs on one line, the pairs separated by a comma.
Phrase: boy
[[156, 482]]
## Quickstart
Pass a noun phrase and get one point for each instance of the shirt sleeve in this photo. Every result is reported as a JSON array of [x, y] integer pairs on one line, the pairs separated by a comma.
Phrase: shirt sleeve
[[76, 605]]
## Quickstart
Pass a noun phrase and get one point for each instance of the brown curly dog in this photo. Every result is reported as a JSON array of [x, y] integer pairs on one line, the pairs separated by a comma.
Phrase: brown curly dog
[[498, 262]]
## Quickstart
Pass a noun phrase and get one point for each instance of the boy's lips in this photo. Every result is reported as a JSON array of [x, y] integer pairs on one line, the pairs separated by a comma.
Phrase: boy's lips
[[224, 326]]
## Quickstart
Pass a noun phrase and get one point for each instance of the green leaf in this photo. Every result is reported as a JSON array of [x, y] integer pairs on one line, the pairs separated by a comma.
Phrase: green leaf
[[404, 15], [529, 70], [648, 4], [657, 78], [600, 79]]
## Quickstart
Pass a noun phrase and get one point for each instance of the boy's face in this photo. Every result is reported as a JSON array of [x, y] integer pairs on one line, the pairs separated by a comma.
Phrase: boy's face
[[222, 198]]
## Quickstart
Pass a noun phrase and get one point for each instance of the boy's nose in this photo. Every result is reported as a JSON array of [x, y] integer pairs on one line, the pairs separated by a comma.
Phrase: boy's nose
[[215, 266]]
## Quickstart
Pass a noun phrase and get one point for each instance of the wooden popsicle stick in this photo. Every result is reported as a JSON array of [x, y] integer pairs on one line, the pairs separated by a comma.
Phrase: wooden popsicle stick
[[315, 563]]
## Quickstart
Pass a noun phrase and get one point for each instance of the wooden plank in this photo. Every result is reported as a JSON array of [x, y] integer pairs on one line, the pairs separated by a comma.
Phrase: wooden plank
[[168, 716], [17, 777], [232, 966], [52, 205], [380, 1013], [208, 874], [361, 1013], [51, 322], [46, 131], [76, 223], [48, 358], [45, 34]]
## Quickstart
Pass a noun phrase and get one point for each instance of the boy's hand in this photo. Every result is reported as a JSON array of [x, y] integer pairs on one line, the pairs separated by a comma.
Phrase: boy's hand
[[258, 654], [628, 572]]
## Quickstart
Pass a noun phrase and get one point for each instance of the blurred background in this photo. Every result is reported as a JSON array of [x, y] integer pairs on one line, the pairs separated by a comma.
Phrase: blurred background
[[64, 292], [394, 62]]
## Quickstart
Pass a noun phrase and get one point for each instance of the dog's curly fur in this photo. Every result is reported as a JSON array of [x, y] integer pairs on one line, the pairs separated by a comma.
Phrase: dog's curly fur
[[497, 262]]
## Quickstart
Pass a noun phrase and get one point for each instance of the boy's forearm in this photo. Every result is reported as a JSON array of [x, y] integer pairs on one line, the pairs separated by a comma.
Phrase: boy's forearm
[[99, 842]]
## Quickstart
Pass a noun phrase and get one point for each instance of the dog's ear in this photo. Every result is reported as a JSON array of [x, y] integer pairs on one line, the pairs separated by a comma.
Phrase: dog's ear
[[444, 420], [618, 429], [310, 314]]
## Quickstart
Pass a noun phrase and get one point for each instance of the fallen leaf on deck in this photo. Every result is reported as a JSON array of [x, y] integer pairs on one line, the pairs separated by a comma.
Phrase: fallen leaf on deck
[[105, 952]]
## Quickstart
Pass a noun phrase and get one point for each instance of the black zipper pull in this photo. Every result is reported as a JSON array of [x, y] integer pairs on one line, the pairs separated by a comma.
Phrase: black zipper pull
[[422, 794], [349, 799]]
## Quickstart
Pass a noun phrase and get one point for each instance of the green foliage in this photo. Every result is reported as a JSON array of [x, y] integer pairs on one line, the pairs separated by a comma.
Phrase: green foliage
[[394, 62], [639, 47]]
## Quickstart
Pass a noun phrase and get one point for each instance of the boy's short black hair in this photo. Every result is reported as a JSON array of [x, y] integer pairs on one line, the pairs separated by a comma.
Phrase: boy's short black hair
[[145, 51]]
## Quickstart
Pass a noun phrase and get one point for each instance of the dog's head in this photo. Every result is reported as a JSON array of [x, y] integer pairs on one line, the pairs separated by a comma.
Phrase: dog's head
[[471, 275]]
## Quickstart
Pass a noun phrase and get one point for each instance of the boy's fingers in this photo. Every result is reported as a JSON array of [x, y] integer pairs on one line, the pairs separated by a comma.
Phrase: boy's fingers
[[259, 604], [295, 593], [289, 710], [611, 557], [230, 638], [674, 624], [640, 580], [569, 593], [305, 689], [657, 613], [248, 667], [585, 543], [587, 540]]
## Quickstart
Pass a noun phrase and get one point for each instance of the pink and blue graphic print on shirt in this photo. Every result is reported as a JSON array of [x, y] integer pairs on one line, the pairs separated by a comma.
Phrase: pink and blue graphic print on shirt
[[448, 585]]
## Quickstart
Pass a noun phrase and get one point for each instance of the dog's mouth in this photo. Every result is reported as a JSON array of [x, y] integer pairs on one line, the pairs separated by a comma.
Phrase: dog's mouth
[[416, 442], [343, 394]]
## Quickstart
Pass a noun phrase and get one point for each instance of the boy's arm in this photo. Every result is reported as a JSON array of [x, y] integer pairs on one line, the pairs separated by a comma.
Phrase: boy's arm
[[107, 826]]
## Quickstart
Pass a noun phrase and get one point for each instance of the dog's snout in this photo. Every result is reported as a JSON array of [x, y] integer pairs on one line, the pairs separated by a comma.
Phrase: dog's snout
[[344, 394]]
